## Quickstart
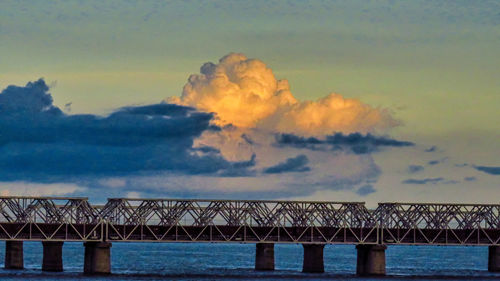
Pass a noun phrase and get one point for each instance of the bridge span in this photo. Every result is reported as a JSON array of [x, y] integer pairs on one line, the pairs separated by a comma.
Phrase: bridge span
[[55, 220]]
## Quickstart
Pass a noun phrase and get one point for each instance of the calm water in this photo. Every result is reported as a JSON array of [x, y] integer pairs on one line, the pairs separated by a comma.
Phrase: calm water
[[162, 261]]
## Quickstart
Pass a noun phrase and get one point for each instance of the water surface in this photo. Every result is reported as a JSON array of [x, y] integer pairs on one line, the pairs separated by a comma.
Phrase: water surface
[[205, 261]]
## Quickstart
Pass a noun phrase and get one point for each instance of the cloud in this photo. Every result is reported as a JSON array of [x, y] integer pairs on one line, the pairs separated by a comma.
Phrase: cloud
[[222, 136], [489, 170], [22, 188], [423, 181], [357, 171], [163, 143], [239, 169], [40, 142], [431, 149], [258, 115], [470, 179], [294, 164], [437, 161], [245, 93], [247, 138], [355, 142], [365, 190], [133, 194], [415, 169], [113, 182]]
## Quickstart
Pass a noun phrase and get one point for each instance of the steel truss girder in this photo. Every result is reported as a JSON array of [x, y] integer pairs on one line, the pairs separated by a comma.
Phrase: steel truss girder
[[439, 224], [247, 221]]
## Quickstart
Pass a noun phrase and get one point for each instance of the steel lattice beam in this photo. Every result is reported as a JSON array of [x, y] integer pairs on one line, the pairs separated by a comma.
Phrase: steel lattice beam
[[247, 221]]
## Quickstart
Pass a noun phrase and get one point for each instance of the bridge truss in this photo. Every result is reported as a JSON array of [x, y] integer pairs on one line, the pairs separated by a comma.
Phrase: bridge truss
[[441, 224], [247, 221], [50, 218], [239, 221]]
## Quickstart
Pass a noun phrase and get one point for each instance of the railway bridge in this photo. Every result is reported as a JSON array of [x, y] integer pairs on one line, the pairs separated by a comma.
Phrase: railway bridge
[[55, 220]]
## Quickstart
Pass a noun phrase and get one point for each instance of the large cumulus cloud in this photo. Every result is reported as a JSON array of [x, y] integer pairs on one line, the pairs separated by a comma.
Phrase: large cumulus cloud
[[236, 131], [245, 93], [258, 115], [39, 142]]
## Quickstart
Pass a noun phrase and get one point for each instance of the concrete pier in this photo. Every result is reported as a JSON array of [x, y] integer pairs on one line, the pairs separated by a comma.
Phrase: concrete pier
[[264, 256], [371, 260], [52, 256], [494, 258], [14, 255], [97, 258], [313, 258]]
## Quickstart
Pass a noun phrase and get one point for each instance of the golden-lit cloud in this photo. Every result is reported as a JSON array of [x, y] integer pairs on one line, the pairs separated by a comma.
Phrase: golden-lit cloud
[[241, 91], [245, 93]]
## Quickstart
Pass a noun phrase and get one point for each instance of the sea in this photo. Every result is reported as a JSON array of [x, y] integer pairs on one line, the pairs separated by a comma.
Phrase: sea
[[217, 261]]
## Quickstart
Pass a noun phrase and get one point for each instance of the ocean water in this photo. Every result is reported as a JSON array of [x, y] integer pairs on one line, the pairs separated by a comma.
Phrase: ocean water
[[204, 261]]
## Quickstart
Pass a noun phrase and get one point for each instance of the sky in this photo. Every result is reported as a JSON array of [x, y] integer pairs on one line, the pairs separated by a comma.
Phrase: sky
[[323, 100]]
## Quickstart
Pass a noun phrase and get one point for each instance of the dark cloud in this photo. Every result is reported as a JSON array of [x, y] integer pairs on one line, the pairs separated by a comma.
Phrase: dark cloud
[[247, 139], [437, 161], [489, 170], [356, 143], [365, 190], [431, 149], [40, 142], [470, 179], [415, 169], [294, 164], [423, 181], [240, 169], [207, 149]]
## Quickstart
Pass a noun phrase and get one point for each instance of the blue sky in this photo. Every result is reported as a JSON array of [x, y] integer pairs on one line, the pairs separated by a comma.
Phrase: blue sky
[[433, 66]]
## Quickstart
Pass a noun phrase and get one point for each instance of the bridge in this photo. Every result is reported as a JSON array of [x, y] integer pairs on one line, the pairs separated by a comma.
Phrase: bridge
[[55, 220]]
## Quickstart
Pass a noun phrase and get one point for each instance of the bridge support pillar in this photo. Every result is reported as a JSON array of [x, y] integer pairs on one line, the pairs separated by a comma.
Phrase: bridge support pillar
[[313, 258], [52, 256], [14, 255], [494, 258], [97, 258], [371, 260], [264, 256]]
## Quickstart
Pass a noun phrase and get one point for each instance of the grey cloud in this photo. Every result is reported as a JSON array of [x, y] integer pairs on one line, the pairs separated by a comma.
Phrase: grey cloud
[[278, 185], [40, 142], [423, 181], [356, 143], [294, 164], [365, 190], [489, 170], [437, 161], [470, 179], [247, 139], [431, 149], [240, 169], [415, 169]]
